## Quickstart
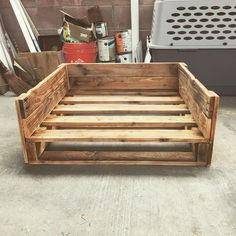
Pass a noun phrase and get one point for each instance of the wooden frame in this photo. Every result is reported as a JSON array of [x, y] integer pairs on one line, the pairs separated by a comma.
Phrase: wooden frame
[[121, 113]]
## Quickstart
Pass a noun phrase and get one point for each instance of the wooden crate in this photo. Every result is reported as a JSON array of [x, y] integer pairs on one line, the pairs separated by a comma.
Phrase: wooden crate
[[118, 114]]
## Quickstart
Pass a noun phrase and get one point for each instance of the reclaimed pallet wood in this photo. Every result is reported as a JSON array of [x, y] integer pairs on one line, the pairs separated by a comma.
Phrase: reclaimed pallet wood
[[138, 92], [129, 104], [117, 135], [120, 109], [141, 121], [150, 100]]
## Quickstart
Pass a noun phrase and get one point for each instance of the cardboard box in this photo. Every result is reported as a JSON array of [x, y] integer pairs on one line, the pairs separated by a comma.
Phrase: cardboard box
[[80, 29], [83, 34], [34, 67], [83, 22]]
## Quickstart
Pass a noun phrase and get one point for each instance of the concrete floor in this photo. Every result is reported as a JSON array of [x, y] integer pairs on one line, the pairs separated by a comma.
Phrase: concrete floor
[[117, 201]]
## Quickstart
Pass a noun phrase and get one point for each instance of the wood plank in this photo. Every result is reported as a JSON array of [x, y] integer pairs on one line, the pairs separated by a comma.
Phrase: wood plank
[[201, 95], [125, 163], [34, 120], [145, 121], [35, 97], [118, 69], [36, 114], [213, 126], [138, 92], [203, 122], [116, 135], [31, 149], [21, 129], [121, 100], [124, 82], [206, 150], [117, 155], [120, 109]]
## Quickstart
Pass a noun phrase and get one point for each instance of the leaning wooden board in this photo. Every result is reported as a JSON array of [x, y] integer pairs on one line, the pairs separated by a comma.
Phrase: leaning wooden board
[[118, 114]]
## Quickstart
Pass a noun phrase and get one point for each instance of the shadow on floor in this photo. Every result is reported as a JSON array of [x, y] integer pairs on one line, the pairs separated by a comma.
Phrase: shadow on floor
[[55, 170]]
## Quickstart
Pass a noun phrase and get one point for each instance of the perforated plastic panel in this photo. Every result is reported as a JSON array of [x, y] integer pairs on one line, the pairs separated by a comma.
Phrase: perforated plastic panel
[[194, 24]]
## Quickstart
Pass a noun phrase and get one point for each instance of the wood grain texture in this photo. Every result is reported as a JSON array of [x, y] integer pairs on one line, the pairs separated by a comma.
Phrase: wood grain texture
[[122, 100], [137, 92], [125, 163], [204, 123], [125, 82], [31, 149], [213, 126], [34, 98], [120, 121], [205, 151], [21, 129], [116, 69], [120, 109], [202, 96], [39, 102], [116, 135]]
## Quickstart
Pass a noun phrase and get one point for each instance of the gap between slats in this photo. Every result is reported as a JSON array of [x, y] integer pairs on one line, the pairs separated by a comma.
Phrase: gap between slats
[[135, 92], [117, 155]]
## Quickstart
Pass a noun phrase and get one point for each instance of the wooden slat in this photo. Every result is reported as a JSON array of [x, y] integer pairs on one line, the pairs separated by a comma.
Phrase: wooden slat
[[31, 149], [36, 104], [116, 135], [21, 129], [120, 121], [201, 95], [213, 126], [203, 122], [34, 98], [125, 82], [117, 155], [120, 109], [138, 92], [125, 163], [205, 150], [116, 69], [121, 99]]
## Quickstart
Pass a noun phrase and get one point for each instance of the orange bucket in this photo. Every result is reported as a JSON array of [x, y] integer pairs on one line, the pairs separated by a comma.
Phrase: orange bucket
[[80, 52]]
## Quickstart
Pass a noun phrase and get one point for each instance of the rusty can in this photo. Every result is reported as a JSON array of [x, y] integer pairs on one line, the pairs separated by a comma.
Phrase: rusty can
[[101, 30], [123, 42], [106, 49]]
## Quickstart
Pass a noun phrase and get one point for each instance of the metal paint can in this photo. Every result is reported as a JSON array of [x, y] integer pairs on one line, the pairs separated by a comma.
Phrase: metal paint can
[[124, 58], [101, 30], [106, 49], [123, 41]]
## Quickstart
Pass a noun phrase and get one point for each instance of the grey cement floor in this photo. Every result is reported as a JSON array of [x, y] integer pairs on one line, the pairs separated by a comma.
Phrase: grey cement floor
[[73, 200]]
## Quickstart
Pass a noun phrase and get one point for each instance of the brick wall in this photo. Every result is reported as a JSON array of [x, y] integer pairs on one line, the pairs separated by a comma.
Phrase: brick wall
[[47, 18]]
